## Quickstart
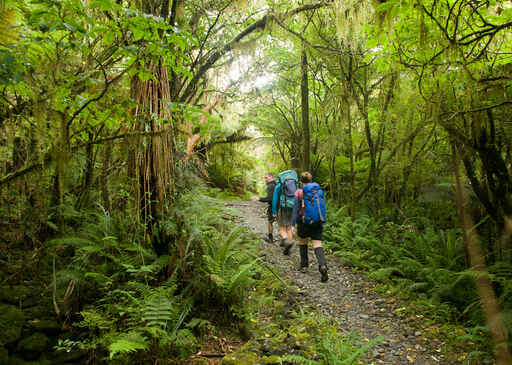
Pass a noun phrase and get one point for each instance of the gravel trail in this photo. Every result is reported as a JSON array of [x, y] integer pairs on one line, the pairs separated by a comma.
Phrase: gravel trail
[[350, 298]]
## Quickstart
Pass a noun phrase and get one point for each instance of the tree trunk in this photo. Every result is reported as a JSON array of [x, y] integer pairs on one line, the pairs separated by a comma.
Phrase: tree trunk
[[488, 301], [83, 199], [17, 154], [155, 164], [107, 154], [304, 88], [351, 157]]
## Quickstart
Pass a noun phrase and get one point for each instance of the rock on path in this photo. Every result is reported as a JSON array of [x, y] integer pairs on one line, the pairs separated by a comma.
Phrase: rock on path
[[351, 300]]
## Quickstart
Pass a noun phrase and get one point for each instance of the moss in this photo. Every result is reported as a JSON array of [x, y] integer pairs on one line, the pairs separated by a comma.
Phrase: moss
[[11, 323], [270, 360], [243, 358], [19, 295], [15, 360], [46, 326], [4, 356], [43, 310], [32, 346]]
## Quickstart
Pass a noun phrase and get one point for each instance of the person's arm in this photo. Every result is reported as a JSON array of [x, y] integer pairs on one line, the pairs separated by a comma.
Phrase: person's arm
[[275, 199], [270, 195]]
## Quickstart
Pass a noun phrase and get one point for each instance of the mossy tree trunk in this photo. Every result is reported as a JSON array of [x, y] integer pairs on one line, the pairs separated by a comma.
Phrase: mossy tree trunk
[[304, 90]]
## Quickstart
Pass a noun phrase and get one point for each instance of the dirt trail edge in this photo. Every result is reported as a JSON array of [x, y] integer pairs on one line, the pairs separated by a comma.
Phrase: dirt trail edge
[[350, 299]]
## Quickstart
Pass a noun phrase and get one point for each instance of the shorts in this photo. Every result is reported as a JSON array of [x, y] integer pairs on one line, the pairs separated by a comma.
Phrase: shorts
[[285, 217], [313, 230], [270, 216]]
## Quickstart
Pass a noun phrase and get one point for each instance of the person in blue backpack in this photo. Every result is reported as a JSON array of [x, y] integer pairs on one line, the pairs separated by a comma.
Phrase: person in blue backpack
[[310, 216], [282, 206]]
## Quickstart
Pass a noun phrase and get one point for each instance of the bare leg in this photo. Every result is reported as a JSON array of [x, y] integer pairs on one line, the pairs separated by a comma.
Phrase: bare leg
[[316, 243], [289, 233], [270, 228], [282, 232]]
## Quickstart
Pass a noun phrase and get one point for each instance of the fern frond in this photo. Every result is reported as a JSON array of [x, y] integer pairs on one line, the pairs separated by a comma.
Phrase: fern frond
[[130, 342], [361, 350], [158, 311]]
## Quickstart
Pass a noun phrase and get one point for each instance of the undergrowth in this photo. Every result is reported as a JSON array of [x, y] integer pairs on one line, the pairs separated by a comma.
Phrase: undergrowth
[[128, 304], [425, 267], [287, 334]]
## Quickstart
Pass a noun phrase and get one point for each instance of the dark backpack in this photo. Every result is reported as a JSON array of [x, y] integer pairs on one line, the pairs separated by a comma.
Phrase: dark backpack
[[314, 204], [289, 183]]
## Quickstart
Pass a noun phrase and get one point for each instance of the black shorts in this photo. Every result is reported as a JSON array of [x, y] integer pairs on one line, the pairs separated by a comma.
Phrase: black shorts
[[270, 216], [313, 230]]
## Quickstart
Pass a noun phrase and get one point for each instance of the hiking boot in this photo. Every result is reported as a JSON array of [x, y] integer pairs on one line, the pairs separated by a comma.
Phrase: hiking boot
[[287, 247], [282, 242], [269, 239], [303, 269], [323, 273]]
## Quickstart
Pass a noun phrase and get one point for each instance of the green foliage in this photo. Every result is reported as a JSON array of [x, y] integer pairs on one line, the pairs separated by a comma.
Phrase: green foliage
[[429, 263], [130, 342], [228, 169], [126, 312], [228, 270], [318, 341]]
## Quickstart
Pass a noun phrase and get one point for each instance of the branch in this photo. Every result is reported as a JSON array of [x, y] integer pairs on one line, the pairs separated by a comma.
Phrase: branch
[[257, 25], [481, 109], [233, 138], [103, 92], [48, 157]]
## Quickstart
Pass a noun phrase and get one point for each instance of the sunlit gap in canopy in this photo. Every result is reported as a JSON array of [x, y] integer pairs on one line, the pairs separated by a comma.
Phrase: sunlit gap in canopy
[[248, 77], [246, 74]]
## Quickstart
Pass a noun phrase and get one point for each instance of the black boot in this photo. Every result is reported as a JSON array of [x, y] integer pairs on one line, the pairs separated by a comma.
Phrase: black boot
[[322, 264], [270, 238], [304, 261]]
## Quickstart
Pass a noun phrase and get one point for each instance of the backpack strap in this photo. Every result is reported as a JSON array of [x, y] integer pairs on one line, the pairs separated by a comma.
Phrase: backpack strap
[[318, 205]]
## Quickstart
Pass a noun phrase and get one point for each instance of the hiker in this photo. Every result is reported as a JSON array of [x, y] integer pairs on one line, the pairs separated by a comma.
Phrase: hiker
[[271, 184], [282, 206], [309, 214]]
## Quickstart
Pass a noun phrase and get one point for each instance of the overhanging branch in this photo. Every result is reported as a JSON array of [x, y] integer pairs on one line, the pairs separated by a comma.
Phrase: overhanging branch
[[257, 25]]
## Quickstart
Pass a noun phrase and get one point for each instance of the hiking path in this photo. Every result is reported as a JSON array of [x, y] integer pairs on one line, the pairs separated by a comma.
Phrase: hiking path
[[351, 300]]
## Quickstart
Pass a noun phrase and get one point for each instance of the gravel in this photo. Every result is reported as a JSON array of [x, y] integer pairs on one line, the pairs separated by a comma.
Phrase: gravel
[[351, 300]]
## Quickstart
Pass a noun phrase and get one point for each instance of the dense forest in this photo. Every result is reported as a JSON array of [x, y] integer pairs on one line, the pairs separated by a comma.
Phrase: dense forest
[[127, 127]]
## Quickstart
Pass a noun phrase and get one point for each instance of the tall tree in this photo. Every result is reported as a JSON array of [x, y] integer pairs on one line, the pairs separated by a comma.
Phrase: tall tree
[[304, 91]]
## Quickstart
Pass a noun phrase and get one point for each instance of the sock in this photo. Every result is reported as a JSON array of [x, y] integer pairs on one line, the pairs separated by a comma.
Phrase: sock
[[320, 256], [304, 261]]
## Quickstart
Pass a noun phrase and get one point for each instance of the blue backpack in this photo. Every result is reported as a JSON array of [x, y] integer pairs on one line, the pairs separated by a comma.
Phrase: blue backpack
[[314, 204], [289, 183]]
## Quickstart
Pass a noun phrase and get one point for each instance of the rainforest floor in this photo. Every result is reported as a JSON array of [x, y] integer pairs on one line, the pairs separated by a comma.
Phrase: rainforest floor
[[353, 301]]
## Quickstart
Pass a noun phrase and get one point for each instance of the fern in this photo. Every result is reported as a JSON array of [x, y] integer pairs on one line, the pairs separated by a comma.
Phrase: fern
[[158, 311], [385, 273], [94, 320], [130, 342]]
